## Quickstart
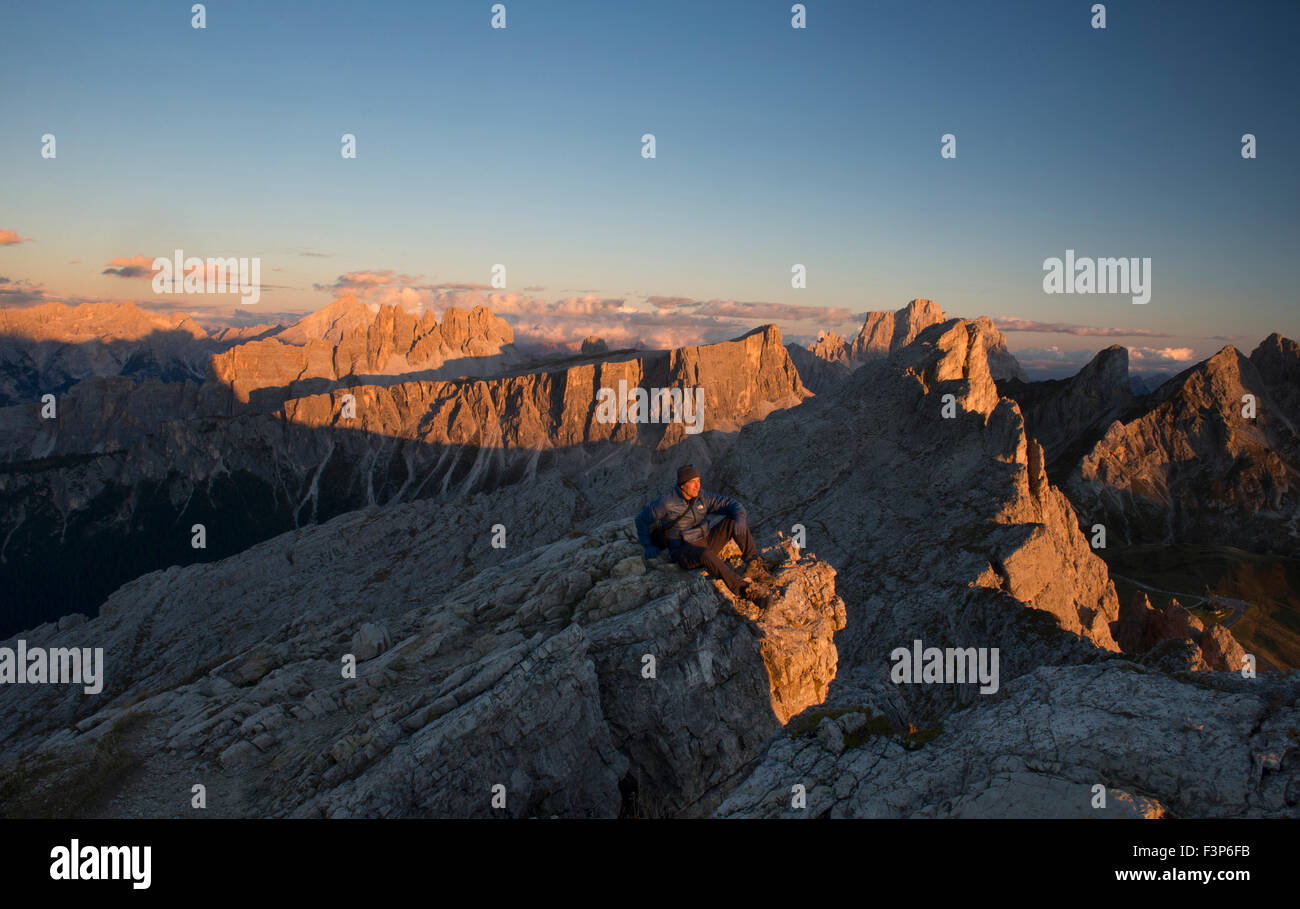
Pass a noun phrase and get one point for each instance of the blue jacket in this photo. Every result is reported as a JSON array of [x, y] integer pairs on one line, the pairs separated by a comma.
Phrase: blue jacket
[[683, 522]]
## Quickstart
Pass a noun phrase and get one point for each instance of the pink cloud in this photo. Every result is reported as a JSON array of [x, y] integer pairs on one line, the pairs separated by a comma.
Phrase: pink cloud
[[130, 267], [10, 238], [21, 292], [1146, 355], [771, 312], [561, 324], [669, 302], [1011, 323]]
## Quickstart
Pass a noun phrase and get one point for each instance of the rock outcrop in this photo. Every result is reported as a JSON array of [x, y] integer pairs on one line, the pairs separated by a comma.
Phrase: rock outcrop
[[568, 674], [1069, 416], [1142, 626], [882, 333], [822, 365], [1156, 746]]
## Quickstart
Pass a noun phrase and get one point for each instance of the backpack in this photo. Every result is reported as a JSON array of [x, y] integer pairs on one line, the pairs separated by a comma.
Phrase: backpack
[[658, 537]]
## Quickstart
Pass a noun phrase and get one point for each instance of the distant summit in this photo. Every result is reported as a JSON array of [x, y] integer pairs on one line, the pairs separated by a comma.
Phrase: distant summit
[[830, 357], [47, 349], [1211, 455]]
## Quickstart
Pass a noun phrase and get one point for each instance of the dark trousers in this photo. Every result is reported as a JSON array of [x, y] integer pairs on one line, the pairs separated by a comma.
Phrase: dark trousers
[[706, 556]]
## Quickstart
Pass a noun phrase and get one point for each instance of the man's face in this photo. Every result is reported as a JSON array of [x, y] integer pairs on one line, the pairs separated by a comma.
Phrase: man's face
[[691, 488]]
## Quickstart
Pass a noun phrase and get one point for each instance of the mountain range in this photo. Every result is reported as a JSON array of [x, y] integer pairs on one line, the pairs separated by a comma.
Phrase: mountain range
[[464, 532]]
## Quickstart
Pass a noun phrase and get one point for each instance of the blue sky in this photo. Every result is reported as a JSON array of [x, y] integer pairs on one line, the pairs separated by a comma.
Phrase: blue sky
[[775, 146]]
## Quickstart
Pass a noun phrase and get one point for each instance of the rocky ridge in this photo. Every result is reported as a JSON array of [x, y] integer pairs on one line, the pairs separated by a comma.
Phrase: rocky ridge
[[1195, 466], [533, 674], [347, 343]]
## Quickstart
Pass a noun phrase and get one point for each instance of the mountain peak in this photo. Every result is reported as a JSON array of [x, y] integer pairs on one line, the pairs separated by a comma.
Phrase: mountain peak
[[882, 333], [1150, 473], [331, 322]]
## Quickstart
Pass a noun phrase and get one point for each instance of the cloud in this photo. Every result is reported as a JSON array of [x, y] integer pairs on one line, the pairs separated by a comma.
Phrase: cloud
[[1150, 357], [130, 267], [1058, 363], [213, 270], [357, 279], [215, 315], [1010, 323], [315, 255], [589, 305], [21, 293], [669, 302], [561, 324], [11, 238], [387, 288], [772, 312], [1051, 362]]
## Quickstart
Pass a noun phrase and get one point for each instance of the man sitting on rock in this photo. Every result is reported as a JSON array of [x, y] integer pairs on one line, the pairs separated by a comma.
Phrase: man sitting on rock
[[678, 522]]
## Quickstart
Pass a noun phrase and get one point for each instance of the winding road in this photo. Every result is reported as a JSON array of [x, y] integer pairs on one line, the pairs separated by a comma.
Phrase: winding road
[[1239, 607]]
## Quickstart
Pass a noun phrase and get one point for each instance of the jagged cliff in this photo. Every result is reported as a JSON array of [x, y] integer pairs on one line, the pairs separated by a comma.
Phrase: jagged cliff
[[347, 343]]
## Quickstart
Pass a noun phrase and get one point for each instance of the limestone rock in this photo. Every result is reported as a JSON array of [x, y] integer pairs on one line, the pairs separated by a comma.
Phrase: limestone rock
[[195, 453], [522, 676], [1142, 626], [1069, 416], [883, 333], [370, 641], [1157, 746]]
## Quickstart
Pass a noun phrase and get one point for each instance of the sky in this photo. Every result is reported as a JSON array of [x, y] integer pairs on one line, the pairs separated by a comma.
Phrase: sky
[[774, 146]]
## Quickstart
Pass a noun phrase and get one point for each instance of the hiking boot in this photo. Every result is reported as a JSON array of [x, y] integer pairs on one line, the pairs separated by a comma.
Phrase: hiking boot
[[756, 594]]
